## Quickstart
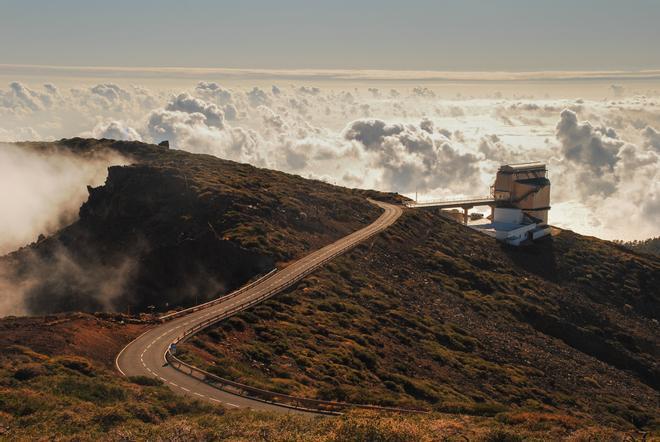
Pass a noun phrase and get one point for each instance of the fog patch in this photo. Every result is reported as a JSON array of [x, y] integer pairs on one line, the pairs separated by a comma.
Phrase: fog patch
[[56, 280], [43, 190]]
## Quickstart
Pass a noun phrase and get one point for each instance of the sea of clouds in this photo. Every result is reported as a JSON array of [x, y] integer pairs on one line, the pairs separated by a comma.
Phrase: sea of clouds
[[602, 152]]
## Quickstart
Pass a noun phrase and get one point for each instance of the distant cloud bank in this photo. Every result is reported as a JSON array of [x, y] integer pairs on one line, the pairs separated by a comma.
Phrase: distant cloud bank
[[21, 70], [406, 136]]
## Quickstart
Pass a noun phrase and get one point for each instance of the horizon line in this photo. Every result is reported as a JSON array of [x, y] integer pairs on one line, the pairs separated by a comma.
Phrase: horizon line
[[332, 74]]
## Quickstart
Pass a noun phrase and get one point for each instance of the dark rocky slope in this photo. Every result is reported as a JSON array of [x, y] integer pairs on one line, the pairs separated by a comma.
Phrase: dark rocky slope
[[175, 228]]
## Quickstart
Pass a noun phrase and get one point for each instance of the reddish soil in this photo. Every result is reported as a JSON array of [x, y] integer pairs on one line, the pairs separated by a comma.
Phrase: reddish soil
[[96, 337]]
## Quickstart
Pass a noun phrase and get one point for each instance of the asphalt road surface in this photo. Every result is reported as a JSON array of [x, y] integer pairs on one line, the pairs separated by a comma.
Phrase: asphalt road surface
[[146, 354]]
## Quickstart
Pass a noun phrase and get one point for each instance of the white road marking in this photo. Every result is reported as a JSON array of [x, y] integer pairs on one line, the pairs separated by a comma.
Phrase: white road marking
[[266, 288]]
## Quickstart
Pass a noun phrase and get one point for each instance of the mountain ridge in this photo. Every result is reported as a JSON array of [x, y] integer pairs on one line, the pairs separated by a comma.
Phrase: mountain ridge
[[555, 337], [175, 228]]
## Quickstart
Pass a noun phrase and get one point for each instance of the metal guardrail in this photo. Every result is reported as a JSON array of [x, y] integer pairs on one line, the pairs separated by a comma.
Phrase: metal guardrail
[[233, 294], [313, 405], [451, 201], [271, 397]]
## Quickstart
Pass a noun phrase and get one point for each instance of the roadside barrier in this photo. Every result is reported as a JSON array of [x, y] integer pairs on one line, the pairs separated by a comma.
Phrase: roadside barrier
[[312, 405], [233, 294], [271, 397]]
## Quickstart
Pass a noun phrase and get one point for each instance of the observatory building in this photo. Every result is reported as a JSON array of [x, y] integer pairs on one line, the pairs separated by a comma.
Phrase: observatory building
[[523, 186], [519, 199]]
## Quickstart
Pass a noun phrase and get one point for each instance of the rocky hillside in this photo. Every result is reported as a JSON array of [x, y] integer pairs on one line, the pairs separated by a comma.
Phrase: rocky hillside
[[176, 228], [555, 341], [431, 314]]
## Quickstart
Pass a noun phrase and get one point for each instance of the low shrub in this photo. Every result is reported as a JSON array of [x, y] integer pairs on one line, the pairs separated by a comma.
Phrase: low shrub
[[501, 435], [98, 391], [110, 416], [30, 371], [81, 365], [474, 409], [146, 381]]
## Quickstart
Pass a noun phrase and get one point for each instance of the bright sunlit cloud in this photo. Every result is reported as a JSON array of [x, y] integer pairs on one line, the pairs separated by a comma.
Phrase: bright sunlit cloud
[[599, 138]]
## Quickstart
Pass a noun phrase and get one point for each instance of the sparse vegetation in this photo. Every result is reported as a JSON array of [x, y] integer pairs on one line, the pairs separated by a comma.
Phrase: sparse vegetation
[[650, 245], [432, 315], [57, 402], [557, 341]]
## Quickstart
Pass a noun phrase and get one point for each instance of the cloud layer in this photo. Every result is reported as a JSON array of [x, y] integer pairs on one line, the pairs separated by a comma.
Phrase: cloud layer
[[602, 153]]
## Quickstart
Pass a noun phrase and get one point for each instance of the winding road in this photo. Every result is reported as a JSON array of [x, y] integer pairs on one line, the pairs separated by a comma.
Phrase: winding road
[[146, 354]]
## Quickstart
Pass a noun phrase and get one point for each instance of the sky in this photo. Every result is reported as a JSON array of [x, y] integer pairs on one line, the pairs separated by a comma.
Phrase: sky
[[414, 97], [466, 35]]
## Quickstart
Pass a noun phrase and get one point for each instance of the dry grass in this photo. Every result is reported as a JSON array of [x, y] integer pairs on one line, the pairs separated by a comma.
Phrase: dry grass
[[432, 315], [72, 398]]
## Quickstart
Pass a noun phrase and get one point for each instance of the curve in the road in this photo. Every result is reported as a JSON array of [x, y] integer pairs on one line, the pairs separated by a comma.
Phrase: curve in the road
[[146, 354]]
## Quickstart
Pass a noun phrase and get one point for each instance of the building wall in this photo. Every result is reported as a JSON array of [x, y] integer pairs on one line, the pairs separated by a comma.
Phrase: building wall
[[503, 186], [515, 237], [526, 196], [536, 200], [541, 233], [506, 215]]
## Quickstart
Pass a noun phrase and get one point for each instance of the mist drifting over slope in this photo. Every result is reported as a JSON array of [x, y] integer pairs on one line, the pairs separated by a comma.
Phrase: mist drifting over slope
[[42, 191]]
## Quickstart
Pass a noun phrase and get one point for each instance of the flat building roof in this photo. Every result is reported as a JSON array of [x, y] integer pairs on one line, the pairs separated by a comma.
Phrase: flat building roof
[[534, 165]]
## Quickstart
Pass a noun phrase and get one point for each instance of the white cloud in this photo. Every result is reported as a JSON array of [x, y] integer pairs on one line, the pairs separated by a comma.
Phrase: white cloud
[[111, 92], [411, 159], [652, 138], [590, 147], [617, 181], [309, 90], [190, 131], [402, 139], [22, 99], [168, 125], [115, 130], [258, 97], [272, 120], [187, 103], [426, 125], [18, 134], [423, 92], [213, 92]]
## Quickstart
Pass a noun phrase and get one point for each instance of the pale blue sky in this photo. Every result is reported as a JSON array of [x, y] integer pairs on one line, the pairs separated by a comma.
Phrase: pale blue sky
[[510, 35]]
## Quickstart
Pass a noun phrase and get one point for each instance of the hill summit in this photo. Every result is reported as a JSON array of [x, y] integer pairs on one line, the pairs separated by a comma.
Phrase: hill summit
[[175, 228]]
